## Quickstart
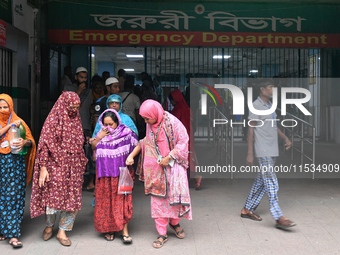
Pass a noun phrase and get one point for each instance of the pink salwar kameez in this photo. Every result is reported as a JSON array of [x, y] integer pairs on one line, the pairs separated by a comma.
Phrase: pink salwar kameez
[[168, 186]]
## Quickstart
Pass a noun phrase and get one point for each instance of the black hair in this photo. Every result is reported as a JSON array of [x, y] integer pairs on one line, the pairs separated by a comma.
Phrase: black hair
[[112, 115], [96, 78], [121, 73], [129, 82], [263, 83]]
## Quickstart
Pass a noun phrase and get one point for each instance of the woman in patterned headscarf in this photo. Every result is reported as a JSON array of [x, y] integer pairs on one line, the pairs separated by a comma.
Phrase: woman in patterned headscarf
[[165, 160], [13, 177], [59, 167], [113, 143]]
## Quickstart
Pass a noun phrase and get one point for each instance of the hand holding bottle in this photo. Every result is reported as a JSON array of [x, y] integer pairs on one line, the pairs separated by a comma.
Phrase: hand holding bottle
[[18, 143], [17, 123]]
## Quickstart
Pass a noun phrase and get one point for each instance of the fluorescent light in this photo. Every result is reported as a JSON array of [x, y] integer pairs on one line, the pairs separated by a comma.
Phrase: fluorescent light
[[253, 71], [134, 56], [220, 56], [129, 69], [92, 55]]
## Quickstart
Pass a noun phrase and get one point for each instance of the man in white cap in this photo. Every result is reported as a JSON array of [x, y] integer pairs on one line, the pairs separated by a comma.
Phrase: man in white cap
[[112, 87], [85, 95]]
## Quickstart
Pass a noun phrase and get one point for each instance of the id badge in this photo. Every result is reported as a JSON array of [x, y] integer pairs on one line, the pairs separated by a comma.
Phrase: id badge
[[4, 144]]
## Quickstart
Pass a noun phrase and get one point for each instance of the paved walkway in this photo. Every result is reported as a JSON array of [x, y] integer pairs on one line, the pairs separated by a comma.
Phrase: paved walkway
[[217, 227]]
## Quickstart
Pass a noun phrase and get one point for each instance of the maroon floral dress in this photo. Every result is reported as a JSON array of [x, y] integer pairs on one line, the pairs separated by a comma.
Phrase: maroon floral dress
[[60, 150]]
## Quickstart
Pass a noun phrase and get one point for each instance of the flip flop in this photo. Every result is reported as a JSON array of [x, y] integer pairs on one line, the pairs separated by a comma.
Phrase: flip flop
[[15, 243], [126, 239], [2, 237], [109, 236]]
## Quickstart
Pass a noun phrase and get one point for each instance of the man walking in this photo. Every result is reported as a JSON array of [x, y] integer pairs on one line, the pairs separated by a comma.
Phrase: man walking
[[264, 139]]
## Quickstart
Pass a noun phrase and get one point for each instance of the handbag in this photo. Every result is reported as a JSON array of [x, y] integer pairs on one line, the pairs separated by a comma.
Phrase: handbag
[[125, 182]]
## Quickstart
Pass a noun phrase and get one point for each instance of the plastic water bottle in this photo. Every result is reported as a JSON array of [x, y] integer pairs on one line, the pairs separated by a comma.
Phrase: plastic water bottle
[[22, 132], [14, 135]]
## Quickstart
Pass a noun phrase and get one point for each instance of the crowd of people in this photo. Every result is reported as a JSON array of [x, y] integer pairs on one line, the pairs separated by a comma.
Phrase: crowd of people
[[92, 131], [97, 131]]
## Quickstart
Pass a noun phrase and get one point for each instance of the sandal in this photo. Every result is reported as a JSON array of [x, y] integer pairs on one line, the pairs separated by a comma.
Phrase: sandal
[[15, 243], [159, 242], [126, 239], [64, 242], [284, 223], [47, 235], [179, 233], [109, 236], [2, 237], [251, 215]]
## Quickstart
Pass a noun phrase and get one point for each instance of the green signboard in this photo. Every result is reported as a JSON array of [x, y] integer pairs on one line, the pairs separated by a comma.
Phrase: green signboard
[[193, 24], [217, 17]]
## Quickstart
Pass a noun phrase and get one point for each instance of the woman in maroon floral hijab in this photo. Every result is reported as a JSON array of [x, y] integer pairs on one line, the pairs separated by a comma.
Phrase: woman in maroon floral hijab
[[59, 167]]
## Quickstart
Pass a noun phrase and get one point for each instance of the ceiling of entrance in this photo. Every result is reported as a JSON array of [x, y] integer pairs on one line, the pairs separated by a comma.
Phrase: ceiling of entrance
[[172, 60]]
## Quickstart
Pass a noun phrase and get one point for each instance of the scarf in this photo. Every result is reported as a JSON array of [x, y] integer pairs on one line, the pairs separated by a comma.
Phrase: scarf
[[157, 180], [62, 131], [113, 149], [8, 118], [151, 109]]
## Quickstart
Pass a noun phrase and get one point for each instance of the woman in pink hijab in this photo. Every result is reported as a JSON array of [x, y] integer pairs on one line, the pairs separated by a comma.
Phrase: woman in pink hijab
[[164, 157]]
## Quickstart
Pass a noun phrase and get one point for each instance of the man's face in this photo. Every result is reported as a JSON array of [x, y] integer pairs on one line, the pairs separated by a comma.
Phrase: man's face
[[81, 77], [267, 91], [114, 88]]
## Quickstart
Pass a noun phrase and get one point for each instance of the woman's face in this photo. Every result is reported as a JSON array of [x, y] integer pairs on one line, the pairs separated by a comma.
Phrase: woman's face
[[73, 109], [114, 105], [4, 107], [149, 121], [108, 122]]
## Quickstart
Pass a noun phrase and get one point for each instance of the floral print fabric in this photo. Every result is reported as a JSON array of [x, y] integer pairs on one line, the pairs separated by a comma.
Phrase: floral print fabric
[[60, 150]]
